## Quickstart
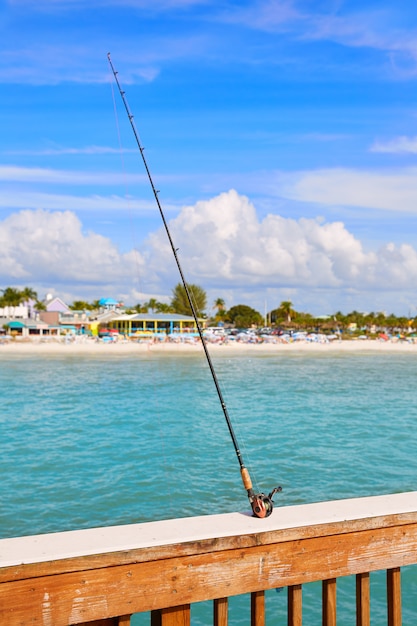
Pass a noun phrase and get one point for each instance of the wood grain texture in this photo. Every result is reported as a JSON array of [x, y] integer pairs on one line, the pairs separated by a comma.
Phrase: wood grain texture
[[394, 597], [201, 571], [186, 547], [329, 602], [173, 616], [363, 604], [257, 608], [295, 605], [220, 611]]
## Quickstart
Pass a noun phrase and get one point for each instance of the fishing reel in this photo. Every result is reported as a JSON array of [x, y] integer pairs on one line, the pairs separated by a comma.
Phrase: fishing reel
[[262, 504]]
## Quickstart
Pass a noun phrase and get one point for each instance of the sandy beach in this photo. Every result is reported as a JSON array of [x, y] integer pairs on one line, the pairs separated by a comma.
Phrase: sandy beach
[[230, 348]]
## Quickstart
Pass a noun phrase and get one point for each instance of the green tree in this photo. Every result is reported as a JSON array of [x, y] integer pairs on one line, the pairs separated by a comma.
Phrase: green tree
[[284, 313], [243, 316], [11, 297], [154, 306], [140, 308], [163, 307], [79, 305], [40, 306], [180, 304], [220, 306], [95, 305], [304, 320], [151, 304], [29, 294], [286, 308]]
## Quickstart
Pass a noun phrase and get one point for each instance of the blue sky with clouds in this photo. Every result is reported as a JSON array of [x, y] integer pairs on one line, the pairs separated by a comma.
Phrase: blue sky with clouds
[[282, 135]]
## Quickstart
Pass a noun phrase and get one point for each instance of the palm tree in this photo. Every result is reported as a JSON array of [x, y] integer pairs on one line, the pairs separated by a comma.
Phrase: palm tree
[[40, 306], [79, 305], [95, 305], [11, 297], [152, 304], [286, 309], [163, 307], [29, 294], [220, 305]]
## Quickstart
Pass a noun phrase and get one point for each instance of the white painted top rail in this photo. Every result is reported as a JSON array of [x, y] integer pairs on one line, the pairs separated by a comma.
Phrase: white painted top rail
[[92, 541]]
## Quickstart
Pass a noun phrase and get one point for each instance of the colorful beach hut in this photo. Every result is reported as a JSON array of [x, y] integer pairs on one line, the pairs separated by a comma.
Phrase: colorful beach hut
[[155, 323]]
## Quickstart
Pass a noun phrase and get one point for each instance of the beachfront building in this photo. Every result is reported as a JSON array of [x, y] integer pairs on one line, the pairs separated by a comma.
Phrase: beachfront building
[[15, 312], [109, 304], [55, 304], [29, 329], [154, 323]]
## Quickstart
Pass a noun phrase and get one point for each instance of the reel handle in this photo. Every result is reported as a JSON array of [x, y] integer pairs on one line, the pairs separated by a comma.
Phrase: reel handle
[[262, 505]]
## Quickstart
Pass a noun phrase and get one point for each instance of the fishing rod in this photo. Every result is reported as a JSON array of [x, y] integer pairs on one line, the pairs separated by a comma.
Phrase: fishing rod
[[261, 504]]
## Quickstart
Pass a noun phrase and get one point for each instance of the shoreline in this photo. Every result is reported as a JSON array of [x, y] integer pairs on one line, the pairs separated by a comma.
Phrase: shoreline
[[130, 348]]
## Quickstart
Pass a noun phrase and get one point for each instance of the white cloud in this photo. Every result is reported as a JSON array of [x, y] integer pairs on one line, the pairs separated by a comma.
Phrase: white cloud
[[382, 29], [58, 63], [60, 150], [14, 173], [223, 242], [17, 199], [268, 15], [393, 190], [40, 246], [398, 145], [15, 196], [63, 61]]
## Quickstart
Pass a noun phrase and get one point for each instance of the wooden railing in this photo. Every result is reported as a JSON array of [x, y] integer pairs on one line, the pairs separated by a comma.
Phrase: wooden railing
[[103, 576]]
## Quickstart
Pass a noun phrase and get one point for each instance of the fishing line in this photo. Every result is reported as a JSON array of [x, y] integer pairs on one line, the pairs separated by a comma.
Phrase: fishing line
[[137, 273], [156, 411], [261, 504], [239, 424]]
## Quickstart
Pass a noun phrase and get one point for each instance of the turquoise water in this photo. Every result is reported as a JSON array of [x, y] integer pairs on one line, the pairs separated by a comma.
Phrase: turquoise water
[[110, 439]]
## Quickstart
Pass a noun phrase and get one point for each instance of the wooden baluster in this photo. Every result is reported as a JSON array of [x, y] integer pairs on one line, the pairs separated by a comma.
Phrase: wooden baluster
[[295, 605], [363, 612], [257, 608], [220, 612], [394, 596], [329, 602], [174, 616]]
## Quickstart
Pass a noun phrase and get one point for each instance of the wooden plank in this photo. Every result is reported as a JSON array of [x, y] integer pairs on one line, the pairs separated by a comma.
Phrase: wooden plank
[[394, 596], [173, 616], [295, 605], [24, 557], [363, 606], [78, 597], [114, 621], [257, 608], [220, 611], [123, 620], [329, 602]]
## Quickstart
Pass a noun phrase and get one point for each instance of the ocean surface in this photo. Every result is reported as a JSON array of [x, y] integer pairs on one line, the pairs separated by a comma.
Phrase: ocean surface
[[115, 439]]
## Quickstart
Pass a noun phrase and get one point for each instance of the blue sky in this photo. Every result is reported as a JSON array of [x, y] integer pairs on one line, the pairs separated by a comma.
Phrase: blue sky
[[281, 134]]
